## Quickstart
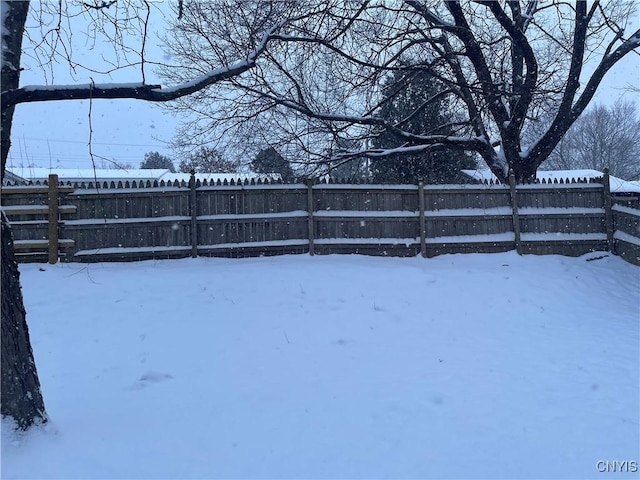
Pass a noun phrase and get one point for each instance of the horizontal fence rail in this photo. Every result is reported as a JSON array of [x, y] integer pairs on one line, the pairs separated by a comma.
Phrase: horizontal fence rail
[[133, 221]]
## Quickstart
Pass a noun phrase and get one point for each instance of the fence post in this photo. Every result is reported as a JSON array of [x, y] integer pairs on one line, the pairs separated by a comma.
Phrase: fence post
[[423, 232], [608, 212], [194, 214], [53, 218], [310, 210], [514, 207]]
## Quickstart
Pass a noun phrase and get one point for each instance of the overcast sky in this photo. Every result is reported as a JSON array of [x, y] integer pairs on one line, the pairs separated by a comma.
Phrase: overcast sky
[[56, 134]]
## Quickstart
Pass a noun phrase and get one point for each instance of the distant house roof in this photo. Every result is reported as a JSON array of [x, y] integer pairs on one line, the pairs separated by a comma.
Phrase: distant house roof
[[617, 184], [78, 175], [36, 174], [13, 178], [214, 177]]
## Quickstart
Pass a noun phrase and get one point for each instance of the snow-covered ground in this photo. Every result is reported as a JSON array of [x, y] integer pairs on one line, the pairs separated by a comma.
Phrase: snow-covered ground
[[461, 366]]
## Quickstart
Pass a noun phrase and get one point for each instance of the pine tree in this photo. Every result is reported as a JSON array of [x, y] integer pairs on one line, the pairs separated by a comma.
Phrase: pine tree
[[208, 160], [157, 160], [405, 104], [269, 160]]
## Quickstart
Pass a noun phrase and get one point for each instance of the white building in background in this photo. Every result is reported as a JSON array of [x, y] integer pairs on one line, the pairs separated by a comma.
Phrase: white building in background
[[73, 175], [86, 175], [214, 177], [617, 184], [12, 177]]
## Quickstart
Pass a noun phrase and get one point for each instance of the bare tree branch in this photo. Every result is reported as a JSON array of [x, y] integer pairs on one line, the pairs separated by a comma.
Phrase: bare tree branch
[[152, 93]]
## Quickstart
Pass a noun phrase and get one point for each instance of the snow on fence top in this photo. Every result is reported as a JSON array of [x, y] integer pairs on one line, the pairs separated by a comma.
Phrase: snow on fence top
[[137, 178], [157, 178], [137, 184], [554, 177]]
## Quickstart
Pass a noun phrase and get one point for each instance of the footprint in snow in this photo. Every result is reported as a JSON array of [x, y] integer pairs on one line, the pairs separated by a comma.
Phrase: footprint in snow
[[148, 378]]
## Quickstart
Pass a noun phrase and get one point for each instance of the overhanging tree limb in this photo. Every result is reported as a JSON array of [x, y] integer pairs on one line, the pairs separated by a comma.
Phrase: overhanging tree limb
[[136, 91]]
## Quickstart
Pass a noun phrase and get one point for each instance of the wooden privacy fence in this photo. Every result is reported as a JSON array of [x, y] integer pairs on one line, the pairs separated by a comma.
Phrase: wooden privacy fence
[[132, 222]]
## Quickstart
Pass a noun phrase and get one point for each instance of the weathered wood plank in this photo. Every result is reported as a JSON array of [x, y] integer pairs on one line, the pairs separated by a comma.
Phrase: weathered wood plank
[[10, 210], [42, 244], [33, 189]]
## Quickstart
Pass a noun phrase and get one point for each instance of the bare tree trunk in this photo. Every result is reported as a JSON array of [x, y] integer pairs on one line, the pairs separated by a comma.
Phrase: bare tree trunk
[[20, 396]]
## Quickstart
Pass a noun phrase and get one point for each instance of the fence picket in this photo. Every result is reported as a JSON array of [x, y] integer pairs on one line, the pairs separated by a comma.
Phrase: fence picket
[[606, 192], [311, 222]]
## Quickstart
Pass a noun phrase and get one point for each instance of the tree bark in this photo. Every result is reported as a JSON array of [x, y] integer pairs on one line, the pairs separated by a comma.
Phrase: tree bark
[[20, 396], [12, 30]]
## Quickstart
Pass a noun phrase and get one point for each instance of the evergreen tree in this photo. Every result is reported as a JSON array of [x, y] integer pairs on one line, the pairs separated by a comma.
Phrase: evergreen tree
[[354, 170], [269, 160], [157, 160], [405, 104], [208, 160]]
